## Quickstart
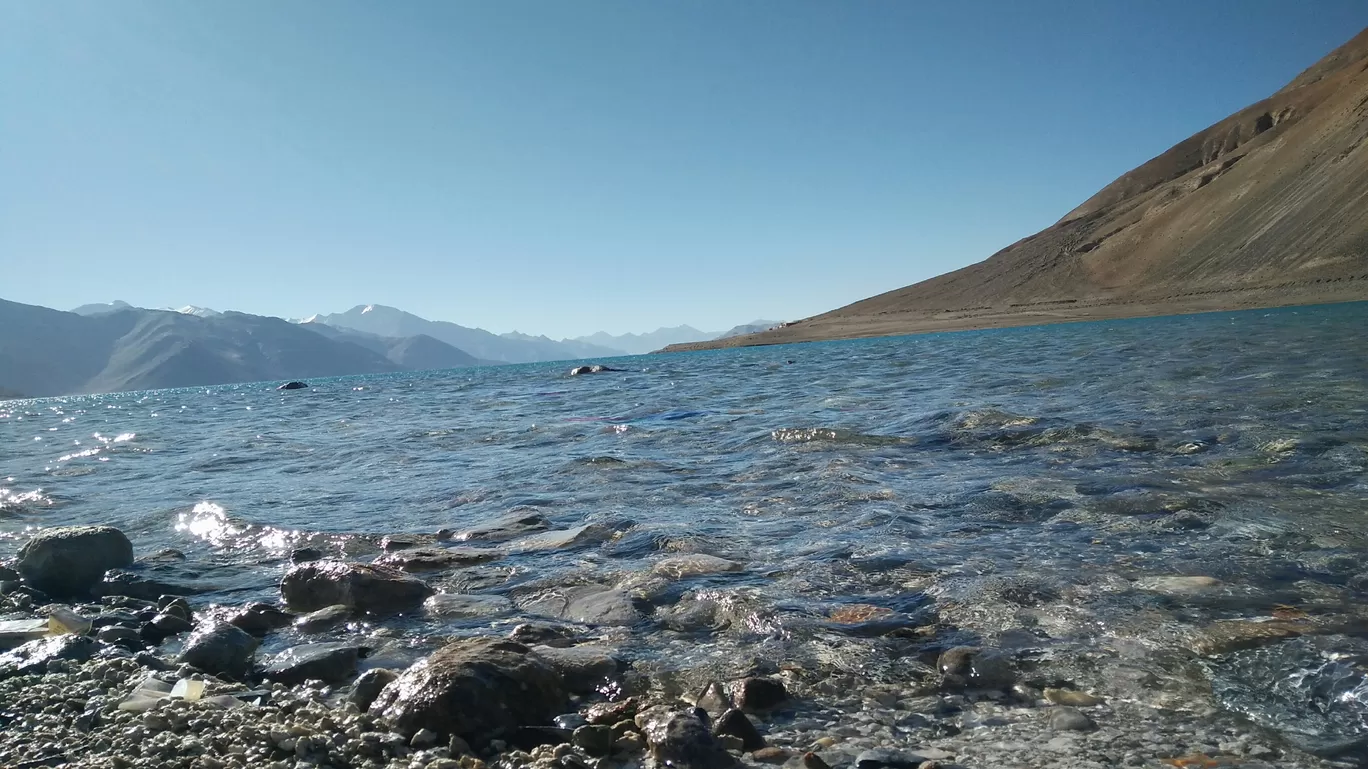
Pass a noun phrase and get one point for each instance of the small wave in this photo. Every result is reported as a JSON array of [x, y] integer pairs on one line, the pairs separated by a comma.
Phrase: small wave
[[833, 435]]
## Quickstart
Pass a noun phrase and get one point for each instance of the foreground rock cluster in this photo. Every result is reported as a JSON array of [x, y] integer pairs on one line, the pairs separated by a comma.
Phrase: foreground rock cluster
[[105, 685]]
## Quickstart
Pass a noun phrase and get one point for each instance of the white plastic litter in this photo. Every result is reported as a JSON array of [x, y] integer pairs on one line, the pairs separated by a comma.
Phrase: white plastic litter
[[17, 631], [187, 689], [62, 621], [152, 691]]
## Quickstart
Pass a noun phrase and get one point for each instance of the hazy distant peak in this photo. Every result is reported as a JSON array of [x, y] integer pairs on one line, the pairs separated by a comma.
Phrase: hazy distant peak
[[99, 308], [199, 312]]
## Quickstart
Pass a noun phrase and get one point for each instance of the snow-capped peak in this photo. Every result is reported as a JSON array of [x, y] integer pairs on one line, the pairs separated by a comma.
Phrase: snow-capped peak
[[199, 312], [369, 307]]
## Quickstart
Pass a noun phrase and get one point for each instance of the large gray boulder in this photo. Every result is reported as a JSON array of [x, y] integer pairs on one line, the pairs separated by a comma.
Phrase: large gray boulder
[[476, 689], [68, 561], [318, 584], [219, 648]]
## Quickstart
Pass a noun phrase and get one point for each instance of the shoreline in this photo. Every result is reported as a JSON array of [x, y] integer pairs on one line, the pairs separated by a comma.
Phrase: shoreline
[[833, 326], [100, 690]]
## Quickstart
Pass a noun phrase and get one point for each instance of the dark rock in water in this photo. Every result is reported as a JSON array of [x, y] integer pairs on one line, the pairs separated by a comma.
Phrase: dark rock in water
[[396, 542], [885, 758], [476, 689], [323, 619], [9, 575], [368, 686], [164, 626], [714, 699], [331, 662], [315, 585], [292, 386], [510, 526], [610, 713], [115, 619], [68, 561], [436, 558], [974, 668], [543, 634], [165, 555], [1066, 719], [175, 605], [33, 657], [584, 668], [680, 739], [133, 585], [735, 723], [123, 637], [758, 694], [594, 739], [305, 554], [587, 604], [596, 368], [1359, 582], [260, 619], [529, 737], [219, 648]]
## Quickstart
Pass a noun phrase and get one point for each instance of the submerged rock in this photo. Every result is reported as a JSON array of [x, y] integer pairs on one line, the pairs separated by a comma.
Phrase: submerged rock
[[475, 689], [587, 604], [461, 605], [562, 539], [331, 662], [596, 368], [693, 565], [317, 584], [508, 527], [219, 648], [436, 558], [759, 694], [886, 758], [68, 561], [292, 386], [1065, 719], [323, 619], [735, 723], [134, 585], [1176, 585], [583, 668], [681, 739], [975, 668]]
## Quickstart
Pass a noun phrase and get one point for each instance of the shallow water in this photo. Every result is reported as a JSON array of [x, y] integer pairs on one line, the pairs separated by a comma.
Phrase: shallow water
[[1024, 488]]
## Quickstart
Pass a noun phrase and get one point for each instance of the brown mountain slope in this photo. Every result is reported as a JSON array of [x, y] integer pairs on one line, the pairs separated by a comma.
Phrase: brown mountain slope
[[1267, 207]]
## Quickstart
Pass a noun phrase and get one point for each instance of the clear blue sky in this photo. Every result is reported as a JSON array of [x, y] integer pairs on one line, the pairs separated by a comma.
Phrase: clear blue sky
[[566, 167]]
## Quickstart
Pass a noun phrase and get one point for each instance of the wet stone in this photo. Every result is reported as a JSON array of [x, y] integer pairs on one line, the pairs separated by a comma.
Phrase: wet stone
[[323, 619], [219, 648], [1066, 719], [609, 713], [887, 758], [117, 635], [305, 555], [70, 560], [595, 739], [259, 619], [680, 739], [329, 662], [477, 689], [319, 584], [509, 527], [140, 586], [586, 604], [736, 724], [759, 694], [368, 686], [584, 668], [421, 559]]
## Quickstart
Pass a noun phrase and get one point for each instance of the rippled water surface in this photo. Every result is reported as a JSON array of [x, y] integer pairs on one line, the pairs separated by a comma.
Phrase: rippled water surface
[[1035, 489]]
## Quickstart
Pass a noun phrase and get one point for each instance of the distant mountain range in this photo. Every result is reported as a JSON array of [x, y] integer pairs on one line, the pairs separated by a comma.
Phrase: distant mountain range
[[116, 346], [502, 348]]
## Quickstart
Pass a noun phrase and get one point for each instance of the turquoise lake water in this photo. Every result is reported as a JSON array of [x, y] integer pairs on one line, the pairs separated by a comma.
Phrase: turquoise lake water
[[1022, 487]]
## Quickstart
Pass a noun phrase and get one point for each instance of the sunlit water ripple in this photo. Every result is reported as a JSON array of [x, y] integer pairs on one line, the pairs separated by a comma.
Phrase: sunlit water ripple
[[1020, 485]]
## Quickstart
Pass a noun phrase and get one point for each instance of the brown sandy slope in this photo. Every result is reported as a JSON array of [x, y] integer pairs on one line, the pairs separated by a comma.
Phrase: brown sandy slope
[[1268, 207]]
